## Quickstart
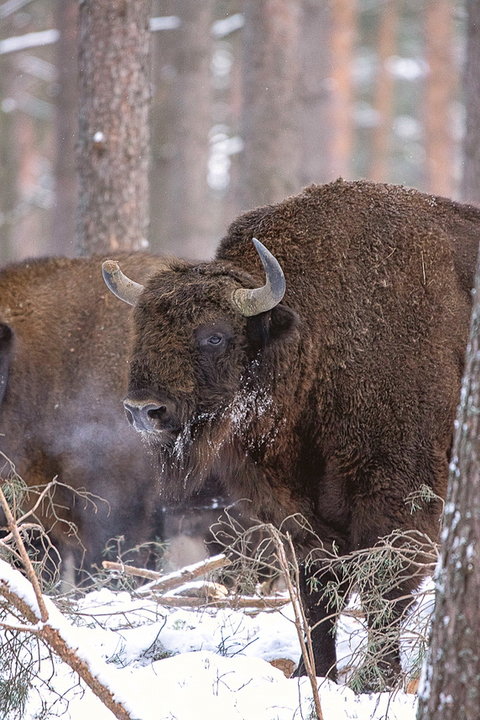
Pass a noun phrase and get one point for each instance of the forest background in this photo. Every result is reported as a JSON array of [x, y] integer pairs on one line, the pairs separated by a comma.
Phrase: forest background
[[250, 101]]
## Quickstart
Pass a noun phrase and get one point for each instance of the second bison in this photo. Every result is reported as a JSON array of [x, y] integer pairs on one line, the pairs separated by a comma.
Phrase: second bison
[[63, 367]]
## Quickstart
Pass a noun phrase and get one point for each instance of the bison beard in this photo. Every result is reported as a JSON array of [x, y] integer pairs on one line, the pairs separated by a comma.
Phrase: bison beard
[[335, 402], [208, 442]]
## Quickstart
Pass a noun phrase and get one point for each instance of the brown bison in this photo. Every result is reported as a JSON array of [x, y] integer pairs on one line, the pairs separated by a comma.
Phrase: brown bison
[[63, 369], [329, 393]]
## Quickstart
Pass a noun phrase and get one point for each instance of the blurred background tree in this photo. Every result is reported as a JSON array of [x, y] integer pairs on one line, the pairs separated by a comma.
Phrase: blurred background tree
[[113, 146], [250, 101], [65, 132], [471, 171]]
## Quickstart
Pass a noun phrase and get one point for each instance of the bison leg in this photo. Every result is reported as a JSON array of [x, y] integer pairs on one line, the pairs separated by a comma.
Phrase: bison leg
[[6, 336], [321, 615], [384, 615]]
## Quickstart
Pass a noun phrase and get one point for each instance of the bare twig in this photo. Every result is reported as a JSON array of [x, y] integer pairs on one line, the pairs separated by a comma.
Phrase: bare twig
[[301, 624], [40, 498], [12, 526], [6, 539]]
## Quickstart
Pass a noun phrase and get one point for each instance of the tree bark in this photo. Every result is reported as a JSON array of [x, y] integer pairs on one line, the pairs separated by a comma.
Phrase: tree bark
[[8, 168], [471, 148], [113, 148], [383, 101], [451, 682], [316, 129], [439, 95], [344, 14], [269, 127], [183, 120], [66, 130], [163, 123]]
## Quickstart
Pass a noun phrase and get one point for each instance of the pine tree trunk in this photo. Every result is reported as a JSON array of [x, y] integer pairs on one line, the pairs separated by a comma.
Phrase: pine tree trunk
[[188, 222], [163, 124], [8, 169], [383, 101], [451, 686], [269, 126], [439, 96], [66, 130], [471, 149], [316, 129], [113, 148], [344, 15]]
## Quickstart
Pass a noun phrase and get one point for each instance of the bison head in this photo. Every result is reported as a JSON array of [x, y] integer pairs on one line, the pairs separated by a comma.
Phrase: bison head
[[200, 371]]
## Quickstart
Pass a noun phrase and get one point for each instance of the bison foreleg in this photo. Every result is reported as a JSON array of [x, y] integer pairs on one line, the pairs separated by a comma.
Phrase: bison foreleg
[[321, 612], [384, 614]]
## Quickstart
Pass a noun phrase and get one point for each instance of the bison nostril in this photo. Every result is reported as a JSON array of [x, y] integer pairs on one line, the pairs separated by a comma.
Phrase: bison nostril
[[148, 416], [157, 413]]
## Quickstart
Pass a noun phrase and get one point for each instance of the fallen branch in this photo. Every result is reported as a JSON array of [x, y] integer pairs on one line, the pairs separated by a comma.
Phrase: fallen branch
[[19, 593], [47, 623], [161, 582], [234, 601]]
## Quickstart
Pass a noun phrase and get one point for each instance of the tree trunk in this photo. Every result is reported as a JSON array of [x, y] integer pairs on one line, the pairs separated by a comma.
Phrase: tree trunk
[[344, 14], [316, 129], [439, 95], [163, 123], [182, 122], [451, 686], [233, 99], [8, 169], [27, 234], [66, 130], [383, 101], [113, 148], [471, 149], [269, 126]]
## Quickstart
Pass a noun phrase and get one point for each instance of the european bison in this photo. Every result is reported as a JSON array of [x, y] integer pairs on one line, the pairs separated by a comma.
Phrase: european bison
[[63, 369], [332, 395]]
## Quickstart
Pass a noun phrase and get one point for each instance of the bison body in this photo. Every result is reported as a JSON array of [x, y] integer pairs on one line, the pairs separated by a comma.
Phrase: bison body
[[336, 403], [63, 370]]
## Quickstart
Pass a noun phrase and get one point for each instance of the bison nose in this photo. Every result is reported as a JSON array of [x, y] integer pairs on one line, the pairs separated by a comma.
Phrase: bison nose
[[149, 416]]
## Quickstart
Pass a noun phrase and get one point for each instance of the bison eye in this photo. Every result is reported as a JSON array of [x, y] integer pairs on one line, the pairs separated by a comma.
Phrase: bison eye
[[213, 338], [215, 341]]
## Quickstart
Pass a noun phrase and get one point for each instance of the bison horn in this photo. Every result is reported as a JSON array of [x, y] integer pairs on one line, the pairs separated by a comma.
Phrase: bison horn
[[120, 285], [258, 300]]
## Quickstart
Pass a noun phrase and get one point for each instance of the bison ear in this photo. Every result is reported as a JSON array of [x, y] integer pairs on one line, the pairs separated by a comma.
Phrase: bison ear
[[276, 324]]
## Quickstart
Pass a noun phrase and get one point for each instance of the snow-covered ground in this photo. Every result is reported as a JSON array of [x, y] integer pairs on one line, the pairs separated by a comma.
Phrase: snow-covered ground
[[179, 664]]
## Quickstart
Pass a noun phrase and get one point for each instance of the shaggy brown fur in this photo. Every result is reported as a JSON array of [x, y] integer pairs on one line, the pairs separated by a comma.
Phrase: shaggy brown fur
[[65, 338], [339, 403]]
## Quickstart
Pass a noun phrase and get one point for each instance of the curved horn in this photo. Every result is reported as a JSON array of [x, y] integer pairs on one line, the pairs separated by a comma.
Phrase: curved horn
[[120, 285], [254, 302]]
